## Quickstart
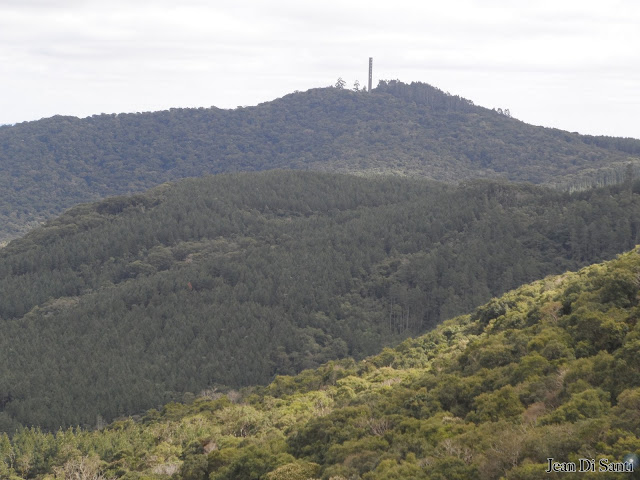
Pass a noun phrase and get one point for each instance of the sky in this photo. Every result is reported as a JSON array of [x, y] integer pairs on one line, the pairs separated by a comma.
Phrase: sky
[[573, 65]]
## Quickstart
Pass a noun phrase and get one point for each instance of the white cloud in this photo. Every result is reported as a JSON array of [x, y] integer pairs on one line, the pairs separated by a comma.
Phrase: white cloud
[[550, 62]]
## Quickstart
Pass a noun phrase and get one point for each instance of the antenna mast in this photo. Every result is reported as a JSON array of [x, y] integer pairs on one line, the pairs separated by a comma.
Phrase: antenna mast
[[370, 72]]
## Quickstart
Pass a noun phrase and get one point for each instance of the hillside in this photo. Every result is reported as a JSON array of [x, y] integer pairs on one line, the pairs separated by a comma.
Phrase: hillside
[[550, 370], [52, 164], [125, 304]]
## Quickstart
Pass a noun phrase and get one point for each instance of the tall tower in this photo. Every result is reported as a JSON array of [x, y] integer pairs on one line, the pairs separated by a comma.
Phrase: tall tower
[[370, 73]]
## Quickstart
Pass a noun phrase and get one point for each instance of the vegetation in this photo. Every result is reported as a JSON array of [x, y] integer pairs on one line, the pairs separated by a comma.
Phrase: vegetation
[[55, 163], [550, 370], [129, 303]]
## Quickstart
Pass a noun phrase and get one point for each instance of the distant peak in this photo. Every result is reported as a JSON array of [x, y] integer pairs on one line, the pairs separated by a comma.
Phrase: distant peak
[[426, 94]]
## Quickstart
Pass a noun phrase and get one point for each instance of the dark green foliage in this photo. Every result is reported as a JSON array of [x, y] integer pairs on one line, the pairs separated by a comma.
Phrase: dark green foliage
[[55, 163], [423, 410], [129, 303], [194, 468]]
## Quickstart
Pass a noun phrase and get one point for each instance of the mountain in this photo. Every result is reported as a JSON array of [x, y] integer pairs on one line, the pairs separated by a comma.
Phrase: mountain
[[52, 164], [129, 303], [547, 371]]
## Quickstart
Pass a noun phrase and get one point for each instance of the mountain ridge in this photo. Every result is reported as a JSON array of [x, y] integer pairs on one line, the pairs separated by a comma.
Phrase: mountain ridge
[[417, 130], [233, 278]]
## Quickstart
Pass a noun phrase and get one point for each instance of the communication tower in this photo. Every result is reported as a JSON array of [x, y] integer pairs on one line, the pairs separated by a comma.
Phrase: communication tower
[[370, 73]]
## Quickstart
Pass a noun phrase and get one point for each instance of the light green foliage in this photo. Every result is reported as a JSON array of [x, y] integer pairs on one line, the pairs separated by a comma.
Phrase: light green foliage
[[298, 470], [488, 395], [531, 365], [501, 404], [627, 411], [130, 303], [590, 403]]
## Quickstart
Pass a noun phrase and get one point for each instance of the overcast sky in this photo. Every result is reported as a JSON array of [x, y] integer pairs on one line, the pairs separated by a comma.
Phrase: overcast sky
[[568, 64]]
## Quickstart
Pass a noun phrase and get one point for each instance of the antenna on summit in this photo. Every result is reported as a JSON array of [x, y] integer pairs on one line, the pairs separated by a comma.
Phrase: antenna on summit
[[370, 72]]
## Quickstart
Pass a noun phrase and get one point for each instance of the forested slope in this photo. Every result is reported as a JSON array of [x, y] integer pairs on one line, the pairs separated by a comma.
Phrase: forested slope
[[550, 370], [55, 163], [125, 304]]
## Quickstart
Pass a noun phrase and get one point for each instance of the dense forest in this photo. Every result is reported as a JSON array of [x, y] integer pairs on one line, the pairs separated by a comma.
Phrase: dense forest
[[128, 303], [52, 164], [550, 370]]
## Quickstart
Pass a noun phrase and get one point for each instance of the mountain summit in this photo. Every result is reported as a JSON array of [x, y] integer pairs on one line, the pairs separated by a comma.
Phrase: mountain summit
[[52, 164]]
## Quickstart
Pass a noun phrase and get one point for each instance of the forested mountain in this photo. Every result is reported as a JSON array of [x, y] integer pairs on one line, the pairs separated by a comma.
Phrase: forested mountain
[[122, 305], [548, 371], [52, 164]]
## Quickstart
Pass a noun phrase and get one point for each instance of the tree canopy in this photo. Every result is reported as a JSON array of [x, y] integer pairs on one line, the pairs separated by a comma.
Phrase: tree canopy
[[549, 370], [52, 164], [128, 303]]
